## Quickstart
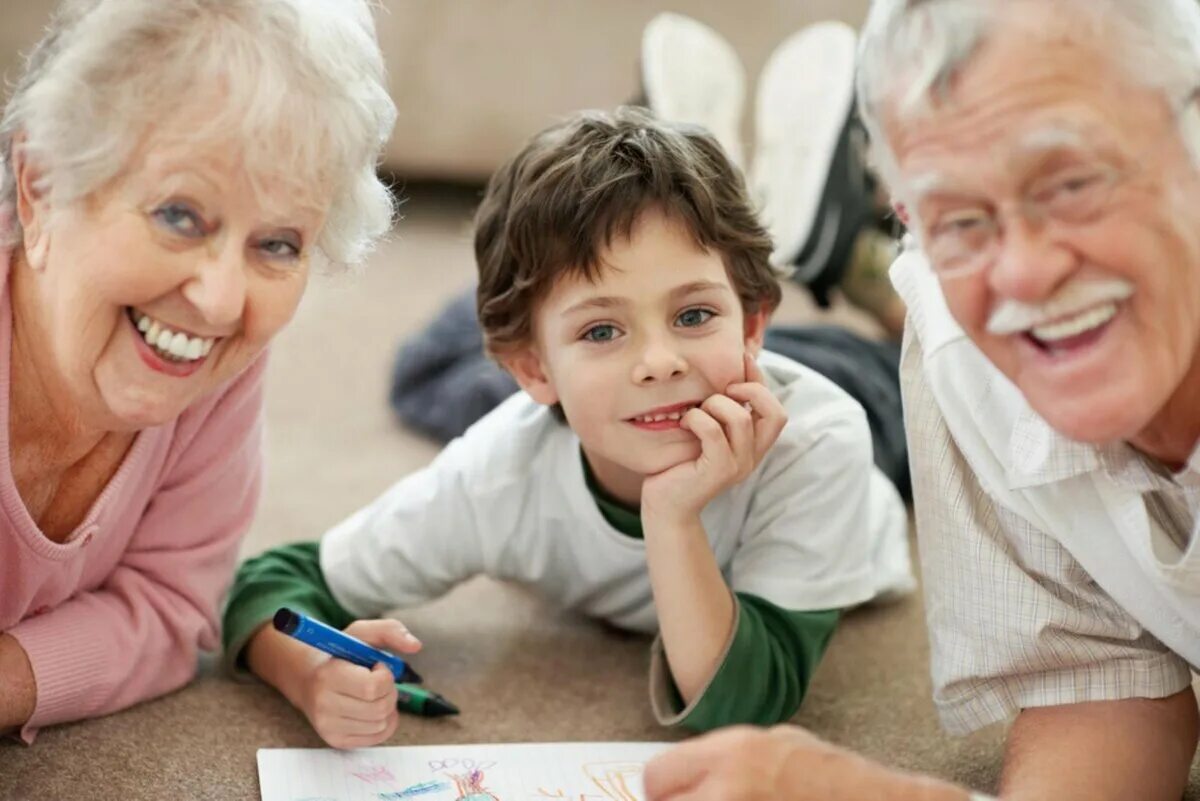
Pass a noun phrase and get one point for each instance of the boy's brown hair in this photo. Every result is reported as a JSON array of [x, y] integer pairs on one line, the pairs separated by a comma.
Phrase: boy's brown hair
[[554, 209]]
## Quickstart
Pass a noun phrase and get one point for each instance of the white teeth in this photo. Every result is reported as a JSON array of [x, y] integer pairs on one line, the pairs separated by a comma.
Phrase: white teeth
[[176, 345], [1083, 322], [658, 418]]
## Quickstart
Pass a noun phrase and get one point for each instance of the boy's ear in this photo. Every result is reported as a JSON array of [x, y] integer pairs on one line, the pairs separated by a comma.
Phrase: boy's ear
[[526, 366], [32, 211], [756, 329]]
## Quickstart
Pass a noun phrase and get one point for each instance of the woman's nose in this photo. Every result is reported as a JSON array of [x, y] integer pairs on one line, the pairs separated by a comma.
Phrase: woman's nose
[[218, 288]]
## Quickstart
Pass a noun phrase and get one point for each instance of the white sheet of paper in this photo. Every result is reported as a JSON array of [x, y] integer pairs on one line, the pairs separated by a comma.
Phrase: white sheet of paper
[[521, 772]]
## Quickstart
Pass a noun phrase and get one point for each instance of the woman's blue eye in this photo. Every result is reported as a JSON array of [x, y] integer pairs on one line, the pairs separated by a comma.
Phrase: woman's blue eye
[[601, 333], [280, 249], [694, 317], [180, 219]]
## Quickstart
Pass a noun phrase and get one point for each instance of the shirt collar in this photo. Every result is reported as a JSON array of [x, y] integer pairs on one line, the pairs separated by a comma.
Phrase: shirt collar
[[1040, 455]]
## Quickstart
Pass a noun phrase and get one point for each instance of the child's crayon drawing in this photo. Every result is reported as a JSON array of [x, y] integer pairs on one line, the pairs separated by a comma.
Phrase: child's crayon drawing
[[616, 779], [519, 772], [424, 788], [373, 774], [470, 787]]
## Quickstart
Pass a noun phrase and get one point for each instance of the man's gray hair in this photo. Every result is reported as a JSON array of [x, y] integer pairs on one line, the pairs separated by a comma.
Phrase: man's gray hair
[[911, 49], [301, 87]]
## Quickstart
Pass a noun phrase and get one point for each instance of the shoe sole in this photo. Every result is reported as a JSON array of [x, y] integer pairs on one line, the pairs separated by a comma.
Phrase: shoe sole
[[691, 74], [805, 95]]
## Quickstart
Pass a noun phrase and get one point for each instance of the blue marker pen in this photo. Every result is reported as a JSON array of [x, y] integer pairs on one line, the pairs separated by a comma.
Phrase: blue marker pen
[[343, 646]]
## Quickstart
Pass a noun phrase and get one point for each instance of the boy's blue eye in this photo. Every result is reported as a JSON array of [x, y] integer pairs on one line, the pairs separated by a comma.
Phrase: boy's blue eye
[[180, 219], [691, 318], [601, 333]]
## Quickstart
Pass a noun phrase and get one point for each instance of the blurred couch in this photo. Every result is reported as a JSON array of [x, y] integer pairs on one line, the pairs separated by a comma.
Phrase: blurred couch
[[474, 78]]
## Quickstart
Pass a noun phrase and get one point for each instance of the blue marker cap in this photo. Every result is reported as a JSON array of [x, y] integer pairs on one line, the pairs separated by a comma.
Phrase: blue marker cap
[[342, 645]]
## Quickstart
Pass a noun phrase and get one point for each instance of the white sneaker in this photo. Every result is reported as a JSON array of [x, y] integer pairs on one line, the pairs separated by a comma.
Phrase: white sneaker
[[805, 96], [691, 74]]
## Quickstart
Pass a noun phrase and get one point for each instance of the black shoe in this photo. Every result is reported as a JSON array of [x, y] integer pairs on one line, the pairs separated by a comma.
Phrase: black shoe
[[809, 173]]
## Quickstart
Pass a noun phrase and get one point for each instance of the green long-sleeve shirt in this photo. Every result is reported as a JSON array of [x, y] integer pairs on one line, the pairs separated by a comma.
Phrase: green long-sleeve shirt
[[761, 680]]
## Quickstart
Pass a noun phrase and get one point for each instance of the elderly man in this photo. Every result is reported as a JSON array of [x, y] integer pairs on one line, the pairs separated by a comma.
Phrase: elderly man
[[1046, 156]]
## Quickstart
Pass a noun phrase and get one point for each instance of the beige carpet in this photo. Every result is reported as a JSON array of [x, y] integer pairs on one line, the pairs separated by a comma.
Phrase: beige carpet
[[520, 672]]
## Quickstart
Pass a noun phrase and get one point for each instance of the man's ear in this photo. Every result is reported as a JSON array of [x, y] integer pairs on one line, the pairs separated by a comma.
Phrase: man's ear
[[32, 209], [525, 365], [756, 329]]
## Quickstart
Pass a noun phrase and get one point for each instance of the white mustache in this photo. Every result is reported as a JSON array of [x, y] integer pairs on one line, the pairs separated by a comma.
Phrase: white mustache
[[1013, 316]]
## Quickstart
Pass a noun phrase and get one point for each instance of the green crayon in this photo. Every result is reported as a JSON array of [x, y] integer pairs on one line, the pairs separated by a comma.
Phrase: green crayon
[[426, 703]]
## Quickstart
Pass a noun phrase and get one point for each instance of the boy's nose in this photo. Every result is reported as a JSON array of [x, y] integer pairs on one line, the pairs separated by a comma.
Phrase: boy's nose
[[659, 363]]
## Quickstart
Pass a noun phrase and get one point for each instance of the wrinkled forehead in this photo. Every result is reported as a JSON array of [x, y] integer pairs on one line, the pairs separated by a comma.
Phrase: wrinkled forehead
[[260, 166], [1032, 85]]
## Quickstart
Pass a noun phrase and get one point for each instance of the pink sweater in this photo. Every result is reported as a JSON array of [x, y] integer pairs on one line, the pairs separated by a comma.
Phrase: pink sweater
[[118, 613]]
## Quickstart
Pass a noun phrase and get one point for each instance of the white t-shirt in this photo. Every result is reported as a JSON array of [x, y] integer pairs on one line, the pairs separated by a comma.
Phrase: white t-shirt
[[816, 526]]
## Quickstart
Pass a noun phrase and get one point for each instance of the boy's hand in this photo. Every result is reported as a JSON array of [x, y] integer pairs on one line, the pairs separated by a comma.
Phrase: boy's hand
[[733, 440], [348, 705]]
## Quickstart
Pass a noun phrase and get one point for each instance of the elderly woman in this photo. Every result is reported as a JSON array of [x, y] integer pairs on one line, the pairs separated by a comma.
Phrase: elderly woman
[[1047, 156], [171, 171]]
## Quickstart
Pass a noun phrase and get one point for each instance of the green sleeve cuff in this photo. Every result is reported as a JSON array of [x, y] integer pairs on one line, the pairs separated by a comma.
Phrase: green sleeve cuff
[[762, 678], [286, 576]]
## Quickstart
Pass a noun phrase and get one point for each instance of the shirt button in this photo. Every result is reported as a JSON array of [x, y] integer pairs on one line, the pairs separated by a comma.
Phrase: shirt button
[[41, 610], [88, 536]]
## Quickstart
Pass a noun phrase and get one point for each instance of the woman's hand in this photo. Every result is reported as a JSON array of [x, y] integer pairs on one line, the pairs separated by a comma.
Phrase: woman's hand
[[18, 689], [733, 441]]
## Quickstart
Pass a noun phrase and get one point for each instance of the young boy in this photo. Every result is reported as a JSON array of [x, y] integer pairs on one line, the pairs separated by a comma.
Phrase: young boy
[[659, 472]]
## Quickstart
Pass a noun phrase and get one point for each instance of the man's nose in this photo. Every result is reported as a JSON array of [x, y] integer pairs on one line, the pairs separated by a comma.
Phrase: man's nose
[[1030, 266]]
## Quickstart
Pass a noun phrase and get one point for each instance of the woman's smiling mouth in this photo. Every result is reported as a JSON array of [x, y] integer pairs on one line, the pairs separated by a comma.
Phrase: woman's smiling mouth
[[167, 343], [166, 350]]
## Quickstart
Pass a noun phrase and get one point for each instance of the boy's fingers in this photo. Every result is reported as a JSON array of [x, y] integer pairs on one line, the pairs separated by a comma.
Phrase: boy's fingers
[[770, 416], [354, 727], [762, 400], [738, 426], [753, 372], [388, 634], [713, 444], [348, 708], [343, 738], [349, 680]]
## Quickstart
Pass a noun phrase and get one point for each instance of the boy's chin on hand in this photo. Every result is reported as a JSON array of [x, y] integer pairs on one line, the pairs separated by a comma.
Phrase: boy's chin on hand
[[670, 496]]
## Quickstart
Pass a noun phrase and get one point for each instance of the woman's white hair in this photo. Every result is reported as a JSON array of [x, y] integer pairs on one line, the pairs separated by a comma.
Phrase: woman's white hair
[[911, 49], [299, 85]]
